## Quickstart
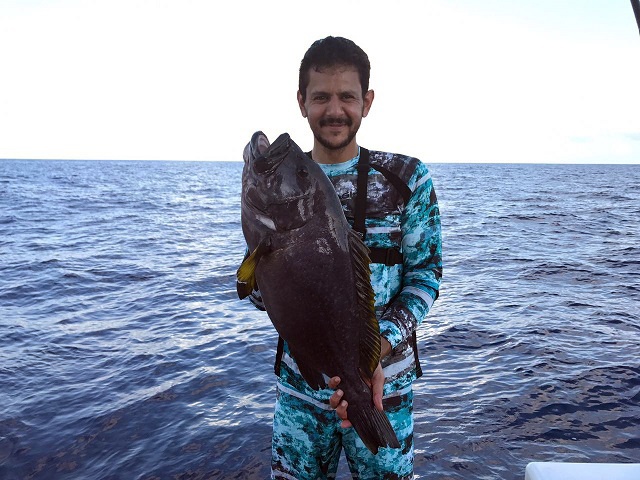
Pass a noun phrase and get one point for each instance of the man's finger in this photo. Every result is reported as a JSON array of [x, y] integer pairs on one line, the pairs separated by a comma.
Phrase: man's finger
[[341, 410], [377, 402], [377, 387], [334, 382], [335, 399]]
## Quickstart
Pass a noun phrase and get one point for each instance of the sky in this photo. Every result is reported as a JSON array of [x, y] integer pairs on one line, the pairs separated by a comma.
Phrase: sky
[[544, 81]]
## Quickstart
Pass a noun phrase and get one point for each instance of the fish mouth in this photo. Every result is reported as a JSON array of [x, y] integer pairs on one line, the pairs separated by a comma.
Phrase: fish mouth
[[268, 161]]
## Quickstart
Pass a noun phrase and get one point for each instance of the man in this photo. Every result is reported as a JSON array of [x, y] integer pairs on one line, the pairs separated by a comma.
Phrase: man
[[400, 222]]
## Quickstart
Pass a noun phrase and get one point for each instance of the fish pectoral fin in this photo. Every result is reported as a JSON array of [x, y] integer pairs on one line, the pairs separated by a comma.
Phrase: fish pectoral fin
[[246, 274], [370, 330]]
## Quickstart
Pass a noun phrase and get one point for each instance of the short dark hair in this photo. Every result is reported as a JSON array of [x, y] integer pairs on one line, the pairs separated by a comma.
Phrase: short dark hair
[[332, 52]]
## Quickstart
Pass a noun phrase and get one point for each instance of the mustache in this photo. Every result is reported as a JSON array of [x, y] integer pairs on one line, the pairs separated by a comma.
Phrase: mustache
[[335, 121]]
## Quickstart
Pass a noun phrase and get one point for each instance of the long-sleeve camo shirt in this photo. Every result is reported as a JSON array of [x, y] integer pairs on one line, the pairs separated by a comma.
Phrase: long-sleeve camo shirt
[[405, 292]]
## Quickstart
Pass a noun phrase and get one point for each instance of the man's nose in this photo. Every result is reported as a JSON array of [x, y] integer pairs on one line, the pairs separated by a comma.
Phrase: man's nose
[[334, 107]]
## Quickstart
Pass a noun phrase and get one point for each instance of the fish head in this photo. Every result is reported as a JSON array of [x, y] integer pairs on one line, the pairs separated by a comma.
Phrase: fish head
[[279, 185]]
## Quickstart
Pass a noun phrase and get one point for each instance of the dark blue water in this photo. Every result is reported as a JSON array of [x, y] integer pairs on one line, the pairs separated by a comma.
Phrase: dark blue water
[[124, 353]]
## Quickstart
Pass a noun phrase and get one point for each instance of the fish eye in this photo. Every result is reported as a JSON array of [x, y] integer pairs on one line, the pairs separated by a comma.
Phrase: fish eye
[[302, 171]]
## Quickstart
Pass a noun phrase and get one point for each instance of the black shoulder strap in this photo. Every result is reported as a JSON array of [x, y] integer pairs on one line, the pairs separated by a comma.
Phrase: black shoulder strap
[[396, 181], [360, 209], [386, 256], [414, 345], [279, 352]]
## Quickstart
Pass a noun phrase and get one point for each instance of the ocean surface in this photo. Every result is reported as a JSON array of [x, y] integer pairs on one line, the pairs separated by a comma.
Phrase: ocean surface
[[125, 353]]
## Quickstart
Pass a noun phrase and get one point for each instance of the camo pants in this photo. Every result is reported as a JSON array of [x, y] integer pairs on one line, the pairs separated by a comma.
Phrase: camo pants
[[308, 439]]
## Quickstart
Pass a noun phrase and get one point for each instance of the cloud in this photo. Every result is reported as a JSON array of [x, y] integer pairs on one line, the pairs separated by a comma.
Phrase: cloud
[[455, 80]]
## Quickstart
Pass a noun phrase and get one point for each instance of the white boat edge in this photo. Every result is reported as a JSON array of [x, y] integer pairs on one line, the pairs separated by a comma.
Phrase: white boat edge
[[582, 471]]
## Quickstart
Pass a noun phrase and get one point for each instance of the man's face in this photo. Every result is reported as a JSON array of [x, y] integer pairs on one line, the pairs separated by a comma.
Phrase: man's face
[[334, 105]]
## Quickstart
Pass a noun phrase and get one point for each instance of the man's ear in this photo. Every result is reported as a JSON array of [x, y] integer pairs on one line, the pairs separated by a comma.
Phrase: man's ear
[[367, 101], [303, 110]]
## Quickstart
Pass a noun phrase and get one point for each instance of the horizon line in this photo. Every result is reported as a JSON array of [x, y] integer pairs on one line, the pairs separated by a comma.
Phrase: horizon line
[[459, 162]]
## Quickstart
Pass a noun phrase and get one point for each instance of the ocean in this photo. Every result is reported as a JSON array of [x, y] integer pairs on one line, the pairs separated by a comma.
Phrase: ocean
[[125, 353]]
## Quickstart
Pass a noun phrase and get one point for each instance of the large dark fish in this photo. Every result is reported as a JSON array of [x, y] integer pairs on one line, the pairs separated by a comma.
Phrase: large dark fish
[[313, 273]]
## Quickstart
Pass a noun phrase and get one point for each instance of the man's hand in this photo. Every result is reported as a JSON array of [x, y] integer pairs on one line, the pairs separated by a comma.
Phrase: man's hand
[[376, 384], [336, 402]]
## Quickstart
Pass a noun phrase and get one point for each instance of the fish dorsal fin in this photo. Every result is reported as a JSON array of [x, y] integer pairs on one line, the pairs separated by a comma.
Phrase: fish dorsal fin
[[246, 274], [370, 330]]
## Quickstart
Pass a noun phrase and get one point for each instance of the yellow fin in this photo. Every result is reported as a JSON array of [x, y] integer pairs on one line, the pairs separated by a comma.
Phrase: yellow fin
[[246, 274], [370, 333]]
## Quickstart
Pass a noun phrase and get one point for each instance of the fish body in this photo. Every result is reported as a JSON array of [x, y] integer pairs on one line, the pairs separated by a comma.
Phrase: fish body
[[313, 273]]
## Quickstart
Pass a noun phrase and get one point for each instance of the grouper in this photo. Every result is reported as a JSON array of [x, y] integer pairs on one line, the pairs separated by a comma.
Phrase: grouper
[[312, 271]]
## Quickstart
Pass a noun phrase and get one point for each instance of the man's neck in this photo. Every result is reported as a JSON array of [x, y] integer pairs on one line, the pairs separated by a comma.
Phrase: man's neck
[[322, 154]]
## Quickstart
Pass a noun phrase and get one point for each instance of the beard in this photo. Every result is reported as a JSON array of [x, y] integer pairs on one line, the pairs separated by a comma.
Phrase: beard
[[331, 144]]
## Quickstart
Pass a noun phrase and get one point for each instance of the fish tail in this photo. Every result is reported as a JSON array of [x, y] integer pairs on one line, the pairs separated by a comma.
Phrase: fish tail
[[373, 427]]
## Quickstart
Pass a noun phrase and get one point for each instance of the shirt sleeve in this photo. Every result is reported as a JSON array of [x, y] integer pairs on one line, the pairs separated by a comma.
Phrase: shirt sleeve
[[422, 261]]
